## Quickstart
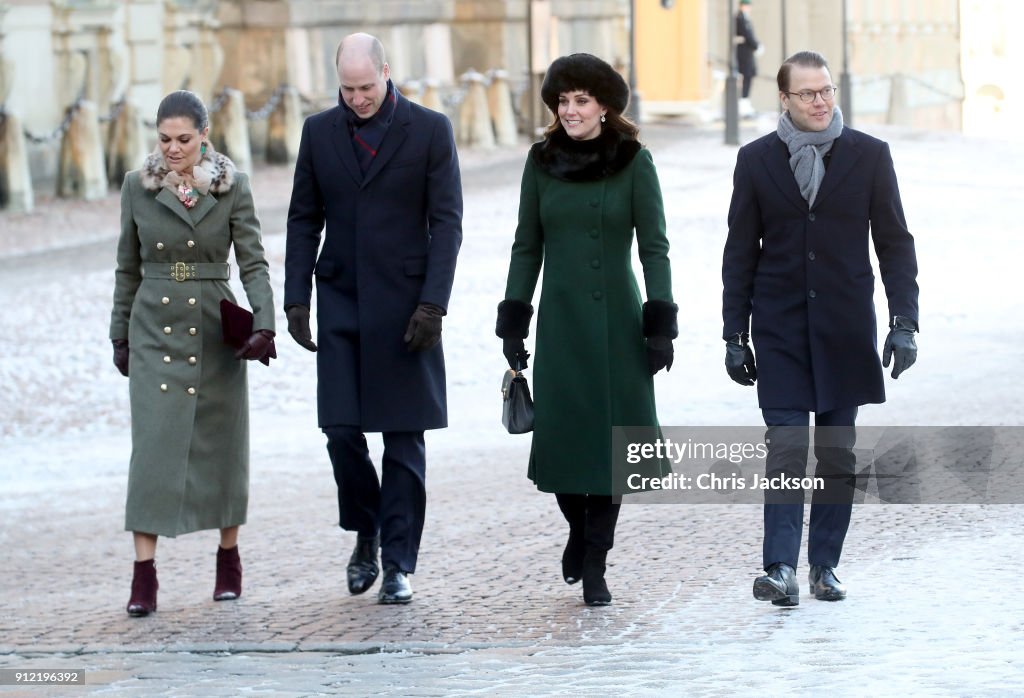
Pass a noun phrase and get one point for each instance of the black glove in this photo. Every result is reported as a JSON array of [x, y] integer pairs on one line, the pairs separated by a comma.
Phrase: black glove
[[659, 353], [259, 347], [900, 344], [121, 355], [424, 330], [515, 353], [739, 360], [298, 326]]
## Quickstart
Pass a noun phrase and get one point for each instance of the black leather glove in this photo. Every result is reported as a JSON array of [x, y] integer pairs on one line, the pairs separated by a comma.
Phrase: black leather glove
[[259, 347], [900, 345], [659, 353], [121, 355], [515, 353], [739, 360], [298, 326], [424, 330]]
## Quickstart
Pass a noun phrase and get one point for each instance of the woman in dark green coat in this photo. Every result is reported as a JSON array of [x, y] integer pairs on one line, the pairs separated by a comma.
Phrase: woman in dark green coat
[[586, 187], [180, 216]]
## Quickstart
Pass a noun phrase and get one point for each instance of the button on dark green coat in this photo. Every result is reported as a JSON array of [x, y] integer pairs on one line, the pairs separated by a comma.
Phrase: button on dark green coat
[[590, 369], [189, 398]]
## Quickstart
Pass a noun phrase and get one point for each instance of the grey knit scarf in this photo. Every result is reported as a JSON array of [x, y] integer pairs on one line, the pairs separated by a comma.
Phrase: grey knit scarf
[[807, 149]]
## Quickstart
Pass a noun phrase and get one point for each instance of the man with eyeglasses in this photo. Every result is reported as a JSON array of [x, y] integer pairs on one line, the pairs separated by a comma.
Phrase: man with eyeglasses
[[796, 267]]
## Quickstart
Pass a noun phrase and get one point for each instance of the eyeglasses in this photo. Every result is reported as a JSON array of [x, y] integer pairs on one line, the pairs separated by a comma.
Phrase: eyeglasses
[[808, 96]]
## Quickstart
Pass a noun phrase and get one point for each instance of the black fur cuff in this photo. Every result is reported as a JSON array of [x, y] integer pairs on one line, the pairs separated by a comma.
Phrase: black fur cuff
[[513, 319], [660, 319]]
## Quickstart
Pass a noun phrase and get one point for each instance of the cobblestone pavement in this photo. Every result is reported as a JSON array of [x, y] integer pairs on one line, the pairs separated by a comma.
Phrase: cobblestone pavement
[[928, 613]]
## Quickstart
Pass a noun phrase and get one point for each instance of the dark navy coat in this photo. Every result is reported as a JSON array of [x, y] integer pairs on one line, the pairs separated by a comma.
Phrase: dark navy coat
[[803, 278], [390, 243]]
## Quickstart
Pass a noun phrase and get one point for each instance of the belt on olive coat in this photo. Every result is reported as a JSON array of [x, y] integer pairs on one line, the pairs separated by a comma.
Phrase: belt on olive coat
[[187, 271]]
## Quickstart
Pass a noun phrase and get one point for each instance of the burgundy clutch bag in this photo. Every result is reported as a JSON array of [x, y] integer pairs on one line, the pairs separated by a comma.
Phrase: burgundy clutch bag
[[236, 323]]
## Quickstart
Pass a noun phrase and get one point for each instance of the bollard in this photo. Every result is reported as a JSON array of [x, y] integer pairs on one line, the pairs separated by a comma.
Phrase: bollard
[[499, 99], [474, 117], [231, 134], [81, 173], [284, 128], [431, 97], [127, 143], [15, 179]]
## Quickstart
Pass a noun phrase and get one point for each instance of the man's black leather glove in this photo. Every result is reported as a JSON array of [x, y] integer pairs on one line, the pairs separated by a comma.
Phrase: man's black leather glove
[[739, 359], [121, 355], [515, 353], [659, 353], [298, 326], [424, 330], [900, 345]]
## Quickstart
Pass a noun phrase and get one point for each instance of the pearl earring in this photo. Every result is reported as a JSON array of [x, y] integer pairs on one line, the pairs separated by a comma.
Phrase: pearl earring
[[602, 118]]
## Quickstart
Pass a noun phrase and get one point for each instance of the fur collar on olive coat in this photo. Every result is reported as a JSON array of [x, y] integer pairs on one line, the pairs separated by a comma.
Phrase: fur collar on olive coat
[[584, 161], [214, 173]]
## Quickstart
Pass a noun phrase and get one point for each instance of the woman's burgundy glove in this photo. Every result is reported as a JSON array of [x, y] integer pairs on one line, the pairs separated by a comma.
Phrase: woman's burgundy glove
[[259, 347], [121, 355]]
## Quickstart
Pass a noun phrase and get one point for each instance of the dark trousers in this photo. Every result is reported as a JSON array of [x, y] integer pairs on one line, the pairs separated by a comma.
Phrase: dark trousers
[[748, 80], [788, 442], [396, 505], [592, 514]]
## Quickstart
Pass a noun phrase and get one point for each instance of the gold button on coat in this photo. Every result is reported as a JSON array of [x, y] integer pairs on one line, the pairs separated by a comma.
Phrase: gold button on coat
[[192, 360], [167, 330], [163, 387], [159, 245], [165, 300], [167, 359], [191, 301], [192, 330], [191, 391], [191, 243]]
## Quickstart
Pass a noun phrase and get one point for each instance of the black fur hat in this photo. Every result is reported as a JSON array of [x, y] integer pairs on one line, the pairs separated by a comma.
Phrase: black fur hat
[[582, 71]]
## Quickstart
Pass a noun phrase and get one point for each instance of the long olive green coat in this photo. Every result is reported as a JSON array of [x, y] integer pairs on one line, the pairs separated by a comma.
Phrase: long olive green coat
[[189, 398], [590, 369]]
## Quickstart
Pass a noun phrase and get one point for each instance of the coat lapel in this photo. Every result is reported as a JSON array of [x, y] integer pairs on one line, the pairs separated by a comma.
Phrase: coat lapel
[[393, 139], [776, 159], [171, 201], [342, 141], [845, 153], [204, 206]]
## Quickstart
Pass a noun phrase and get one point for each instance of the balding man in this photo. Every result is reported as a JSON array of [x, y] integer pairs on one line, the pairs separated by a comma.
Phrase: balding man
[[382, 175]]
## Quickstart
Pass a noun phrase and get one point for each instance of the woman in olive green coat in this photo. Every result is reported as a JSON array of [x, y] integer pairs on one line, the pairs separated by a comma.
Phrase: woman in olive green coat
[[586, 187], [180, 216]]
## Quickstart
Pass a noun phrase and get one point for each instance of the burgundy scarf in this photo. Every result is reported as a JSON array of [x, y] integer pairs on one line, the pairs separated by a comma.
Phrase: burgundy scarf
[[367, 134]]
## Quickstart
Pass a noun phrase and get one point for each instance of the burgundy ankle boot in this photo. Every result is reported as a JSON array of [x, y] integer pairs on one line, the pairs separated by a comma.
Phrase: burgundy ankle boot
[[144, 586], [229, 575]]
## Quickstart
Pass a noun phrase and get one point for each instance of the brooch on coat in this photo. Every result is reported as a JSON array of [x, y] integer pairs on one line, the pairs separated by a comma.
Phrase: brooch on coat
[[187, 195]]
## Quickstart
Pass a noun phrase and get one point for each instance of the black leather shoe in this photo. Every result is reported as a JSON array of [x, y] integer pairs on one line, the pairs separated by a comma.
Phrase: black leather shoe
[[395, 588], [778, 585], [572, 558], [362, 568], [824, 584]]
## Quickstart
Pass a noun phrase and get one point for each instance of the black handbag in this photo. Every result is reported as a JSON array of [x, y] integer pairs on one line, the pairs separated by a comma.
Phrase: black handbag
[[516, 403]]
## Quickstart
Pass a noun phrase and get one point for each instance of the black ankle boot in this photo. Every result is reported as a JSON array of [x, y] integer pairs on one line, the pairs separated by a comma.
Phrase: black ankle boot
[[595, 590], [572, 557]]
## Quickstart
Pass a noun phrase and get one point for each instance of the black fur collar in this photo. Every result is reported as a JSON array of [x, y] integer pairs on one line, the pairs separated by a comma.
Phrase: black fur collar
[[584, 161]]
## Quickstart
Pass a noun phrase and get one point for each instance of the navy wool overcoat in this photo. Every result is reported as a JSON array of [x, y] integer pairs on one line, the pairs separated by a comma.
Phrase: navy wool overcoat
[[390, 242], [802, 277]]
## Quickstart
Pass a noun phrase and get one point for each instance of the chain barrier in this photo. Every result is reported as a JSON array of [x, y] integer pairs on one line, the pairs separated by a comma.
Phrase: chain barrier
[[58, 132], [115, 111]]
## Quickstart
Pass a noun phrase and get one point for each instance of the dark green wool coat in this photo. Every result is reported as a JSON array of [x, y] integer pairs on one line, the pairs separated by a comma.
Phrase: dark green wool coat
[[590, 363], [189, 398]]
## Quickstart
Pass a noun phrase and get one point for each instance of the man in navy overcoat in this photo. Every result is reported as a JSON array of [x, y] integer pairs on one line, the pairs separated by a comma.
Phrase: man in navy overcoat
[[806, 200], [383, 175]]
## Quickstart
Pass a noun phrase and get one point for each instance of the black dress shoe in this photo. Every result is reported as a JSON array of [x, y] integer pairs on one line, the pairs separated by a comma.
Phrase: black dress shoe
[[572, 558], [778, 585], [824, 584], [395, 588], [595, 589], [362, 568]]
